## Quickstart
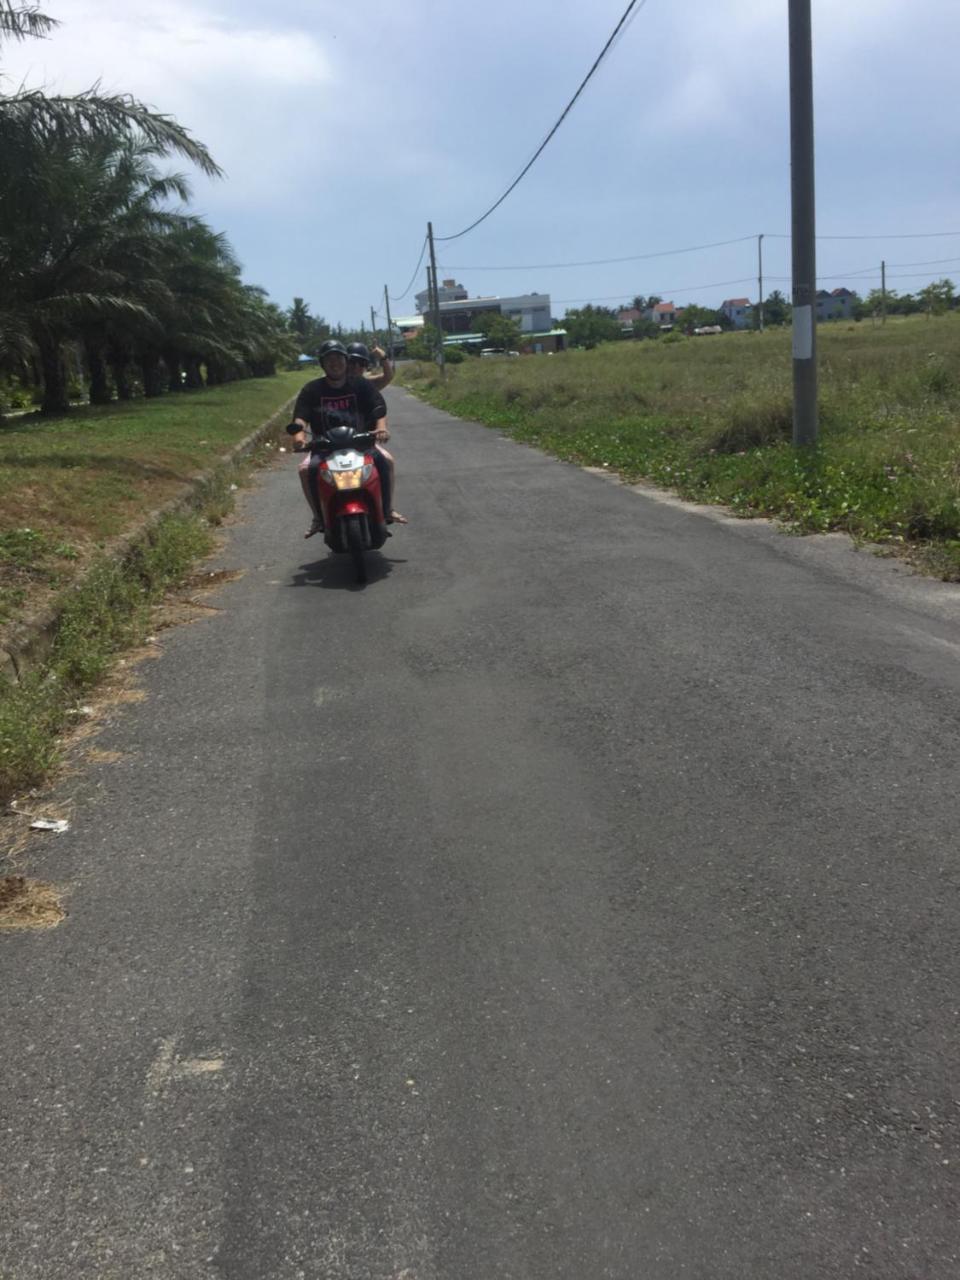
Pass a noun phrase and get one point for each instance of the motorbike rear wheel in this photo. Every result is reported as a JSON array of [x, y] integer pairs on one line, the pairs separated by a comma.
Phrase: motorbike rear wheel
[[355, 546]]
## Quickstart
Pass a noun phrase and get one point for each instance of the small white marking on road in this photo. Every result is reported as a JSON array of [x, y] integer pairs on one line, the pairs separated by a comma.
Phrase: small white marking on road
[[162, 1065], [198, 1066], [168, 1066]]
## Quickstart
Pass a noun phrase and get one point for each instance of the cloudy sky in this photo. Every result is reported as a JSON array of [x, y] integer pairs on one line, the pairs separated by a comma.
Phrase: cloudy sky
[[343, 128]]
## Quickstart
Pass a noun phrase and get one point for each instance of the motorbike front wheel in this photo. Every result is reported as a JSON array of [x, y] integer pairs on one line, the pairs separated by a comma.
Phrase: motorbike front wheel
[[354, 539]]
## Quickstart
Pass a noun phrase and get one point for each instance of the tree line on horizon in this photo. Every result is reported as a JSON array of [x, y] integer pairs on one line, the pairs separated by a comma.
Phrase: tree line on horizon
[[109, 285], [586, 326]]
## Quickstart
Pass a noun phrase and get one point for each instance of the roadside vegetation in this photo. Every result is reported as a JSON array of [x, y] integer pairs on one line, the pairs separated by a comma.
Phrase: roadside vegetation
[[71, 485], [132, 357], [711, 419]]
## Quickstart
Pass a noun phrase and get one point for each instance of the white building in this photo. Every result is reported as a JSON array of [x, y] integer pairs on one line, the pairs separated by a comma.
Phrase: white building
[[449, 291]]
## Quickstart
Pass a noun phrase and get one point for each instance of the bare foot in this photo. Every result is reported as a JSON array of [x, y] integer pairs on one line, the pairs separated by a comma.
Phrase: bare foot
[[397, 518]]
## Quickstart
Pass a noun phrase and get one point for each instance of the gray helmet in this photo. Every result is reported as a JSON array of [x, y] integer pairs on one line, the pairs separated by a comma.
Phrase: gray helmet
[[329, 348]]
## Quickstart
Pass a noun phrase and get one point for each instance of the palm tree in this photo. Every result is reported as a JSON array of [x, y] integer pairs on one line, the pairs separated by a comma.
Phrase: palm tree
[[81, 245]]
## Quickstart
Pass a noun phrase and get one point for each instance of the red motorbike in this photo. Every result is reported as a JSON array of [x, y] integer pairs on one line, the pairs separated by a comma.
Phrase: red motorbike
[[351, 501]]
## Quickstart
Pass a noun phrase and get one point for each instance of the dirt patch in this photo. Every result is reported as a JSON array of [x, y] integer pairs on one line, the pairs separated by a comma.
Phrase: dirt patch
[[185, 604], [96, 756], [29, 904], [209, 578]]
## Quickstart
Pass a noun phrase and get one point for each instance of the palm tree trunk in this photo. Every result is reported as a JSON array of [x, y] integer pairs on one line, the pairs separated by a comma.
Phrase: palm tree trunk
[[152, 376], [99, 384], [172, 360], [119, 361], [55, 397]]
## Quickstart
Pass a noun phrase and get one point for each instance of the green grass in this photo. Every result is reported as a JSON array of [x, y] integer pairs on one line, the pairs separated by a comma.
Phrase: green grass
[[70, 484], [121, 462], [711, 419], [107, 613]]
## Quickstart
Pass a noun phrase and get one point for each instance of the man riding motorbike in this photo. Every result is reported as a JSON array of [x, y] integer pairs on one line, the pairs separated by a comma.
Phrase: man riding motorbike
[[336, 394]]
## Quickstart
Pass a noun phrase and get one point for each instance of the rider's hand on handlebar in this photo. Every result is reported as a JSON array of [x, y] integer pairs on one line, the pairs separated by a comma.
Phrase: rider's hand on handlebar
[[299, 441], [381, 435]]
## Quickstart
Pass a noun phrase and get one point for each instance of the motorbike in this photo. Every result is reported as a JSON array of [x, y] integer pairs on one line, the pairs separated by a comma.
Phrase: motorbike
[[348, 485]]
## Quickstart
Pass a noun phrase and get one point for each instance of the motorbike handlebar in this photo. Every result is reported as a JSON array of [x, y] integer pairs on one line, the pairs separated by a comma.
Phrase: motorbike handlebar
[[320, 444]]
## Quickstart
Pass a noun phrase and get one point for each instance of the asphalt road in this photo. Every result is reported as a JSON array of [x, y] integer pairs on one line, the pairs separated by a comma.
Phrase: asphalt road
[[578, 900]]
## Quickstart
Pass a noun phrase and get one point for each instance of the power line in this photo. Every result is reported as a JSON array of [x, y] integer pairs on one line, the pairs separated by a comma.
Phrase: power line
[[684, 288], [633, 5], [906, 235], [906, 275], [603, 262], [930, 262], [413, 278]]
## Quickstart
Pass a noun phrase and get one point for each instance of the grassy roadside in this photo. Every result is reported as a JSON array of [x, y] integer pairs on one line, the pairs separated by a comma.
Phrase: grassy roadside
[[111, 453], [711, 419], [71, 484]]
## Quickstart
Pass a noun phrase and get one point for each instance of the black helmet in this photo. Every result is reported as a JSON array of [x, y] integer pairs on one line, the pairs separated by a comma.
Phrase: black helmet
[[358, 351], [329, 348]]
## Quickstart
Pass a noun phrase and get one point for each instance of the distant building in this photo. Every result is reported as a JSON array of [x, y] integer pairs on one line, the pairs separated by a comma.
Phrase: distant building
[[663, 313], [837, 304], [628, 317], [458, 311], [449, 291], [739, 311]]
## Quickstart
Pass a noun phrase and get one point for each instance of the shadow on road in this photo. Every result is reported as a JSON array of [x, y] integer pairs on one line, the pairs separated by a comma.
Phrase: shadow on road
[[336, 572]]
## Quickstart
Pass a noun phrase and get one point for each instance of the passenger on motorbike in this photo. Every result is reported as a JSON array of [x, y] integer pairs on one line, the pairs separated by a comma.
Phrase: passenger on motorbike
[[336, 393], [358, 359]]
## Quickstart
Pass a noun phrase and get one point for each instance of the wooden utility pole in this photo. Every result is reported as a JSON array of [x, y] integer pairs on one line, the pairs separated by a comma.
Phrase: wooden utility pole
[[386, 303], [436, 301], [803, 204], [760, 280], [883, 292], [373, 325]]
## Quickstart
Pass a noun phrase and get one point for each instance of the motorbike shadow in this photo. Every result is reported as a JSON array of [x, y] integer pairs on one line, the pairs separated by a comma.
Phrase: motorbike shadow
[[336, 573]]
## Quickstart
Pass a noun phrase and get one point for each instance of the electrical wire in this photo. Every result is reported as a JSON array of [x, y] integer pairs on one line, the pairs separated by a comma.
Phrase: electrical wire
[[685, 288], [634, 5], [906, 235], [930, 262], [413, 279], [603, 262]]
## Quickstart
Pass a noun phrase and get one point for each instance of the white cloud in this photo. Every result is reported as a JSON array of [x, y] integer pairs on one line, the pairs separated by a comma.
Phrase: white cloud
[[241, 89]]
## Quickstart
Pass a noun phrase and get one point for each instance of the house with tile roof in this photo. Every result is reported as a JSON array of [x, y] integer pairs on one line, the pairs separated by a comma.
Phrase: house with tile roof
[[739, 311]]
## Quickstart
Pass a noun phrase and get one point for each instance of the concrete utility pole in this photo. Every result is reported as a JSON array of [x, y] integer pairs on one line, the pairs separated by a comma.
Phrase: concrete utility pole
[[436, 301], [803, 225], [386, 303], [883, 292], [760, 280], [373, 325]]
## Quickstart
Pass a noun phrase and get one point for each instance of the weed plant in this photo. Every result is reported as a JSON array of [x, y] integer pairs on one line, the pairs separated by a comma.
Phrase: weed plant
[[711, 418]]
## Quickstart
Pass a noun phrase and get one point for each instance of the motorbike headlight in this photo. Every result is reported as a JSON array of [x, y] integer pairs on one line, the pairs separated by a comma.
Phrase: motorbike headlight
[[348, 479]]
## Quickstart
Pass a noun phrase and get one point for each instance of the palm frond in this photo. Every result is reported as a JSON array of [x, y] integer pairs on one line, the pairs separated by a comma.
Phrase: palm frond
[[24, 22], [91, 115]]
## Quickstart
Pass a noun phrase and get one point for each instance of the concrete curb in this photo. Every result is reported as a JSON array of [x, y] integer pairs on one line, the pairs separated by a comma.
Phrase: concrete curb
[[29, 641]]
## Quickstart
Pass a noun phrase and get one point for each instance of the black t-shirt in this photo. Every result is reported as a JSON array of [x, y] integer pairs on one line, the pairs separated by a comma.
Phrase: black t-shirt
[[355, 401]]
